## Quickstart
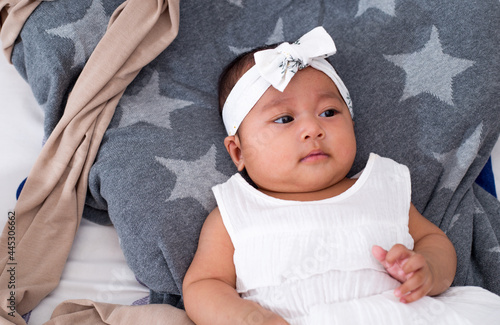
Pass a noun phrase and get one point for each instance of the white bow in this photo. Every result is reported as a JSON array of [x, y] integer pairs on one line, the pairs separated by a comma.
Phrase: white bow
[[279, 65]]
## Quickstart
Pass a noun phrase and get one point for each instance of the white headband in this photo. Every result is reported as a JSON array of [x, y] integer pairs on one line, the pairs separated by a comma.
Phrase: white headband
[[276, 67]]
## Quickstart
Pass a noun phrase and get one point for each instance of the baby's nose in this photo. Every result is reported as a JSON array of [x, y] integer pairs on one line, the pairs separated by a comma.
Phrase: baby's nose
[[312, 130]]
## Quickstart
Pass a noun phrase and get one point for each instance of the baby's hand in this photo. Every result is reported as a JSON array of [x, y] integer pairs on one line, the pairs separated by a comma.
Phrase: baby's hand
[[409, 268]]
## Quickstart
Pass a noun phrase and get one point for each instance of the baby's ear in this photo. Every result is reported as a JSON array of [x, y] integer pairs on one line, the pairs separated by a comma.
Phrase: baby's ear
[[233, 147]]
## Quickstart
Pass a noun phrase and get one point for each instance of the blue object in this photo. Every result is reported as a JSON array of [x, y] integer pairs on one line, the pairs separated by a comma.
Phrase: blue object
[[486, 179], [20, 188]]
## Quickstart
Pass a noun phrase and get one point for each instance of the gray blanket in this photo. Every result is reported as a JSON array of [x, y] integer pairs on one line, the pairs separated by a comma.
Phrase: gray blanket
[[424, 77]]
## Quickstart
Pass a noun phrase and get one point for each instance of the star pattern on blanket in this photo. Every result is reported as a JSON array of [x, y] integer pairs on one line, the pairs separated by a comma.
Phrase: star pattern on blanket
[[478, 209], [238, 3], [430, 70], [149, 106], [387, 6], [85, 33], [454, 220], [195, 178], [457, 161], [277, 36]]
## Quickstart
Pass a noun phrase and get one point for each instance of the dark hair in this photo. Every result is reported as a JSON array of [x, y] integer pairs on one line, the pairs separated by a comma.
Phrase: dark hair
[[234, 70]]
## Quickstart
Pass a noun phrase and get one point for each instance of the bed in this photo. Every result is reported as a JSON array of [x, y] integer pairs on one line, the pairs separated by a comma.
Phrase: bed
[[425, 82]]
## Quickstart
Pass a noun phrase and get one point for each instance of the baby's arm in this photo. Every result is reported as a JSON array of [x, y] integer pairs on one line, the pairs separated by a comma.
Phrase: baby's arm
[[209, 286], [427, 270]]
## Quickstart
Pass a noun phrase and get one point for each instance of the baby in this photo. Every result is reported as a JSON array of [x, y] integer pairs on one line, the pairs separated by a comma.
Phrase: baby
[[305, 244]]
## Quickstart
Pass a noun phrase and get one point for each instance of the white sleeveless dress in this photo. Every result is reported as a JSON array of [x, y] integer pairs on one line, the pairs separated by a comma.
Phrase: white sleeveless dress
[[311, 262]]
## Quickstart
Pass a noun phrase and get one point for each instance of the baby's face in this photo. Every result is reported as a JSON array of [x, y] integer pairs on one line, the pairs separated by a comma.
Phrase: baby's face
[[300, 140]]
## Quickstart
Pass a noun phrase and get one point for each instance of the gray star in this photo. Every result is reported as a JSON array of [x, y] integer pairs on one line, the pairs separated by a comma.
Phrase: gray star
[[239, 50], [238, 3], [478, 208], [456, 162], [453, 222], [429, 70], [85, 33], [149, 105], [195, 178], [277, 36], [387, 6], [494, 249]]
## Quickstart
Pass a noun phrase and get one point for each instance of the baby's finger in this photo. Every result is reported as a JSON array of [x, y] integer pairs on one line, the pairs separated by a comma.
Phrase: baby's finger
[[408, 286], [414, 263], [413, 295], [379, 253], [397, 253], [416, 287]]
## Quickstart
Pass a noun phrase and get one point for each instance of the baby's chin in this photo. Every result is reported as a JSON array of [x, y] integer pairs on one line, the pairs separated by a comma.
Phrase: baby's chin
[[305, 193]]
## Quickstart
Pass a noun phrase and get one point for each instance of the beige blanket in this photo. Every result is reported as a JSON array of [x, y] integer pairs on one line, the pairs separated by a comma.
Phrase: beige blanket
[[36, 241]]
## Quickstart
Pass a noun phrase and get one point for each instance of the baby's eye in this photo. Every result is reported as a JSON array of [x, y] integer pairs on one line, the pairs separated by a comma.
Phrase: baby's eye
[[328, 113], [284, 119]]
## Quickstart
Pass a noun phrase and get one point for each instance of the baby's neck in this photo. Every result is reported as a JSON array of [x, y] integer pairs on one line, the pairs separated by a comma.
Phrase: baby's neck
[[321, 194]]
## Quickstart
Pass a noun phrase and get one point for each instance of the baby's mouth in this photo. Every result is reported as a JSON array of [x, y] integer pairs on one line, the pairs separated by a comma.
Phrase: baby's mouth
[[314, 155]]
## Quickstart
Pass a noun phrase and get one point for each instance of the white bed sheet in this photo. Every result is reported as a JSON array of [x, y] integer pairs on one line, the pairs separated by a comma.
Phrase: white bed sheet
[[96, 268]]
